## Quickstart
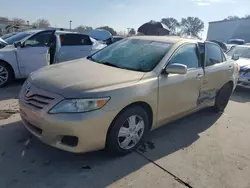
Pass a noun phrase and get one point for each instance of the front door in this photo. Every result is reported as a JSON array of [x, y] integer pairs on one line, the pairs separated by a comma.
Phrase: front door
[[73, 46], [34, 53], [178, 94]]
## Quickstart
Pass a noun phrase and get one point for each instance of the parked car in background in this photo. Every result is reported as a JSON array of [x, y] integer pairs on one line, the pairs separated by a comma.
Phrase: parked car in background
[[117, 38], [114, 97], [101, 35], [242, 55], [40, 49], [236, 41]]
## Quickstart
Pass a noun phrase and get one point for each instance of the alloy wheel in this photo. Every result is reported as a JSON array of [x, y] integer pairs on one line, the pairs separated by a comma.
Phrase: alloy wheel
[[131, 132], [3, 75]]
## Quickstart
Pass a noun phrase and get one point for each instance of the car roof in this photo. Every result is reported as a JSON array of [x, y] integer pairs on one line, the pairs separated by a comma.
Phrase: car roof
[[244, 46], [31, 31], [39, 30], [63, 32], [168, 39]]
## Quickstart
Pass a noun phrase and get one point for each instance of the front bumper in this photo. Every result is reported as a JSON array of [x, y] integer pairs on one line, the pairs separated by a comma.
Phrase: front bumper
[[89, 128], [244, 81]]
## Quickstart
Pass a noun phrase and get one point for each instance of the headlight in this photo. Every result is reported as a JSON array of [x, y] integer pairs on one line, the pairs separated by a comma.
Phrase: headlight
[[78, 105]]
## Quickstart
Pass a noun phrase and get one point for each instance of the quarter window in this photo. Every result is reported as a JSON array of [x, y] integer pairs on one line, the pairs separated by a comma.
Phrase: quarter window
[[213, 54], [186, 55], [75, 40]]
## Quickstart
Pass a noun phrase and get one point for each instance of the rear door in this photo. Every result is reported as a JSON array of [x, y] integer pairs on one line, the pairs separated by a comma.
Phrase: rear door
[[217, 71], [34, 53], [73, 46]]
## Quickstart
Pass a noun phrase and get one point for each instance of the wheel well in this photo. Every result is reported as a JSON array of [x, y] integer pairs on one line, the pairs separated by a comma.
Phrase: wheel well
[[144, 105], [230, 83], [6, 63]]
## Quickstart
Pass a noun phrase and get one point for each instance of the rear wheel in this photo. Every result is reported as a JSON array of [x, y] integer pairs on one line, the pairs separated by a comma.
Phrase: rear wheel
[[128, 131], [223, 97], [6, 74]]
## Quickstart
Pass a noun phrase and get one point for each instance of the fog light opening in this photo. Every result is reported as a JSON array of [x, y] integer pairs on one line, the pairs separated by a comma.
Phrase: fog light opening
[[70, 140]]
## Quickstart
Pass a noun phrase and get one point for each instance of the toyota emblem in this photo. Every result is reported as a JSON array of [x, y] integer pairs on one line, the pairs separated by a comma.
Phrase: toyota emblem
[[27, 90]]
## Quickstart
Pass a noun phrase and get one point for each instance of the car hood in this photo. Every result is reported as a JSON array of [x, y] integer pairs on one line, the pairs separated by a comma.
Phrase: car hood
[[243, 63], [72, 79]]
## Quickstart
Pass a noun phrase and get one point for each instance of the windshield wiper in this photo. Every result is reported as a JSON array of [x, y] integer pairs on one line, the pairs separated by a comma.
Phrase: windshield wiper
[[90, 58], [102, 62], [109, 64]]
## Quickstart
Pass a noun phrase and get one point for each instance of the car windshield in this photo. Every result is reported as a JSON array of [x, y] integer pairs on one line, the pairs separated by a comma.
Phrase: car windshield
[[17, 37], [243, 52], [133, 54]]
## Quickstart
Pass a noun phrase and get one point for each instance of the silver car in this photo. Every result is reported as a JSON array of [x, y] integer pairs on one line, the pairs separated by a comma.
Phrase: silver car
[[242, 55], [114, 98]]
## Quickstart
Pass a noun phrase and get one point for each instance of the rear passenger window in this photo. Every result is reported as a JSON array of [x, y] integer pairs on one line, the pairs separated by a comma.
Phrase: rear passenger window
[[213, 54], [75, 40], [186, 55]]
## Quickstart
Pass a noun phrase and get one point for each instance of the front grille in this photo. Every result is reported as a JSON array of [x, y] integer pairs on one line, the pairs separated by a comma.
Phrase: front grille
[[38, 101]]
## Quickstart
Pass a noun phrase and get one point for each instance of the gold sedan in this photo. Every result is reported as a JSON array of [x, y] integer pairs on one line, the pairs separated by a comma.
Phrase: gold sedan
[[115, 97]]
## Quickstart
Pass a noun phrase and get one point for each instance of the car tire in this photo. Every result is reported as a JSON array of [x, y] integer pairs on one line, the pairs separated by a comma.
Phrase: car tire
[[118, 137], [222, 97], [6, 74]]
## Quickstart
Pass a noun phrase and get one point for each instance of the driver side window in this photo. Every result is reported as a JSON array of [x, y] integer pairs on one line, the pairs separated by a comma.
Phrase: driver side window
[[186, 55], [39, 40]]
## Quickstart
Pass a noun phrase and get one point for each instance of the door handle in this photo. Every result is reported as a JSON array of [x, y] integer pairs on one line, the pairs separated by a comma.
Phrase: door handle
[[199, 76]]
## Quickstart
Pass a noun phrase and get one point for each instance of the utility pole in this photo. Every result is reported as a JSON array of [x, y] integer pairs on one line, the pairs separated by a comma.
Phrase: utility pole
[[128, 30], [70, 24]]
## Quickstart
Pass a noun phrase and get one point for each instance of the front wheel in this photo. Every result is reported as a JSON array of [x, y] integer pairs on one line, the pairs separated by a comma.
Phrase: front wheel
[[223, 97], [6, 74], [128, 131]]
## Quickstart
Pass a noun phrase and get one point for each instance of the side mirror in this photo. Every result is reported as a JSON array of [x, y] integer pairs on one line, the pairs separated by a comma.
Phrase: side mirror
[[176, 68], [235, 57], [18, 44]]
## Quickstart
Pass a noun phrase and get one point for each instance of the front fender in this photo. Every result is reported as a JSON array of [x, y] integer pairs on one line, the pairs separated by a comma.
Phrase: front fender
[[9, 56]]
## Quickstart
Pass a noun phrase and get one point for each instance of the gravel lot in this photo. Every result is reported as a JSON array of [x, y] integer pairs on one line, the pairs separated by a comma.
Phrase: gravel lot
[[201, 150]]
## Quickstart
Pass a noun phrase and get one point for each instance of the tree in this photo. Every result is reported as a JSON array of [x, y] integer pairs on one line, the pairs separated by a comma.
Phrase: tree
[[232, 18], [111, 30], [192, 26], [172, 23], [247, 16], [18, 21], [41, 23], [83, 29], [132, 31]]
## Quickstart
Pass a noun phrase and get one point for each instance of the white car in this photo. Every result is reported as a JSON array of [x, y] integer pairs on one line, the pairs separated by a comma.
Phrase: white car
[[42, 48]]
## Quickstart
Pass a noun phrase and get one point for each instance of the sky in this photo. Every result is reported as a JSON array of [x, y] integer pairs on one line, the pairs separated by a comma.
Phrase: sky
[[121, 14]]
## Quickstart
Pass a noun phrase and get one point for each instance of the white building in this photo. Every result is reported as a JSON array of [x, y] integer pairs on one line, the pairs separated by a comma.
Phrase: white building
[[229, 29]]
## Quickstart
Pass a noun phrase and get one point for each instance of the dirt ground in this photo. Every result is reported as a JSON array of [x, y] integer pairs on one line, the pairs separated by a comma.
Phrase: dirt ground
[[201, 150]]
